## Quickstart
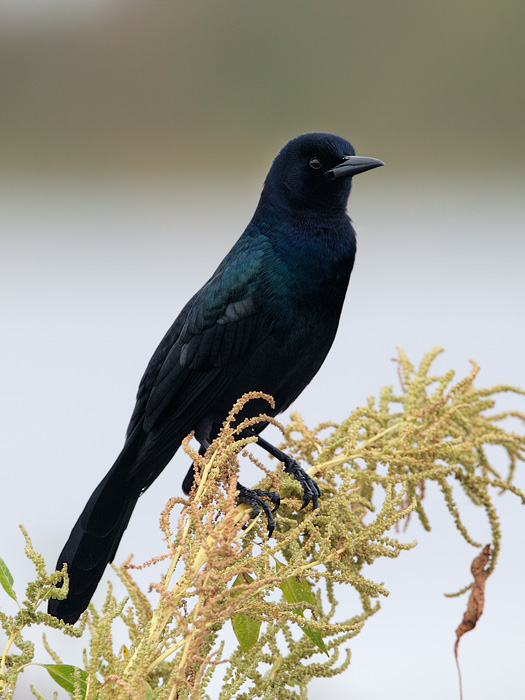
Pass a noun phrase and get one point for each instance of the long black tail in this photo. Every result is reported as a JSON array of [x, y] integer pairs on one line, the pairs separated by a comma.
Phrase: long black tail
[[96, 535]]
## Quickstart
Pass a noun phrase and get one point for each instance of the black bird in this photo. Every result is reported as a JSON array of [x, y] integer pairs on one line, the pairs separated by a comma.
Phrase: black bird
[[264, 321]]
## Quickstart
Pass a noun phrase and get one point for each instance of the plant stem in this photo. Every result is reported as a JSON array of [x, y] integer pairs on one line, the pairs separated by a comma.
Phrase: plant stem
[[163, 613], [336, 461], [4, 655]]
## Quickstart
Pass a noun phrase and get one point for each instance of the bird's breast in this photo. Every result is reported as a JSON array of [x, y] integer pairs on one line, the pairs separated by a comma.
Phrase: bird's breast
[[311, 270]]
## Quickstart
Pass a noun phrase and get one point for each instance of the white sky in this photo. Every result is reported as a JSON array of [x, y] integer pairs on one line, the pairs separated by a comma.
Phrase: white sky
[[94, 273]]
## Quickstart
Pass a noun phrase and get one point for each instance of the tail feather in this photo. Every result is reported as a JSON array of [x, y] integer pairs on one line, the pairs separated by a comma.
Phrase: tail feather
[[96, 535], [87, 556]]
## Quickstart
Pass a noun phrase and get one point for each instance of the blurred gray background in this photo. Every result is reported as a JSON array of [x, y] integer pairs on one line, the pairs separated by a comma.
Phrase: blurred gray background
[[135, 138]]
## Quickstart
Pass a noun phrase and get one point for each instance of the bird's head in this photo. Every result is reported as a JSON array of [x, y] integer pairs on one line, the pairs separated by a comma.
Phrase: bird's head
[[314, 171]]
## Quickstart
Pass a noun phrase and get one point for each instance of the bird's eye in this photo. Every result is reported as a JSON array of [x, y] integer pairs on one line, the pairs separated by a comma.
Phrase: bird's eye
[[315, 163]]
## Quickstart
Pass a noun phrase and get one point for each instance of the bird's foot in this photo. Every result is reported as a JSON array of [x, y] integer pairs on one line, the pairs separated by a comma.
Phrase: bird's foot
[[311, 490], [255, 499]]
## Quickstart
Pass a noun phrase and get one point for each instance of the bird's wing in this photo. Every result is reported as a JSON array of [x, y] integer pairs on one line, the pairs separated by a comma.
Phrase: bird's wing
[[215, 333]]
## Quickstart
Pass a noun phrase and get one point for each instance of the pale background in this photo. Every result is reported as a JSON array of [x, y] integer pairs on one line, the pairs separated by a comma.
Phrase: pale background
[[135, 138]]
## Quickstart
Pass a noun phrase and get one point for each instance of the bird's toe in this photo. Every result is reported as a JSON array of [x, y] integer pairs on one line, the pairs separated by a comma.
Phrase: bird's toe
[[255, 499], [311, 490]]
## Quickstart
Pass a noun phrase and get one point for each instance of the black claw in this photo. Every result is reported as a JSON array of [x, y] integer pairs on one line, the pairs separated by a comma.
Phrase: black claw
[[311, 490], [271, 495], [255, 499]]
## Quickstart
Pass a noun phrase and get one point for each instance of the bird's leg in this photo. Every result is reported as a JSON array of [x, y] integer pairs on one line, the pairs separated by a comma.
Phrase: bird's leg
[[311, 490], [255, 498]]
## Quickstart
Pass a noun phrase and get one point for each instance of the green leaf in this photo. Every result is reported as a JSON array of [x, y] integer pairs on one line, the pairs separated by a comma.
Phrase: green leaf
[[68, 677], [296, 590], [246, 629], [148, 691], [6, 579], [316, 637]]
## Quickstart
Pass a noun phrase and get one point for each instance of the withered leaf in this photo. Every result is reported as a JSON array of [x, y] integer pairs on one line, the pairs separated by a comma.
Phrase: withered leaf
[[476, 600]]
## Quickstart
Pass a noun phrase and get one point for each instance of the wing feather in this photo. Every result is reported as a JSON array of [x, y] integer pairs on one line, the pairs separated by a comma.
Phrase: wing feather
[[208, 343]]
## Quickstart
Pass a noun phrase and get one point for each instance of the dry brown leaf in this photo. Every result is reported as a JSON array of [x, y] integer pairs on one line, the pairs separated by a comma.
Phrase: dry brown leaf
[[475, 603]]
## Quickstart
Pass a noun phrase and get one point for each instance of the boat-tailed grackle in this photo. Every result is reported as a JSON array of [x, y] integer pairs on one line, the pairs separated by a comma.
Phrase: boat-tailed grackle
[[264, 321]]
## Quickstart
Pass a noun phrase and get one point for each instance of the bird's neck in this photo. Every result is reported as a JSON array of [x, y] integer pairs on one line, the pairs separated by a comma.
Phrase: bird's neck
[[280, 200], [306, 232], [312, 254]]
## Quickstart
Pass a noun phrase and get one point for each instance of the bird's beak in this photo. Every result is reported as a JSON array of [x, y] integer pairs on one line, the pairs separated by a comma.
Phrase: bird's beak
[[352, 165]]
